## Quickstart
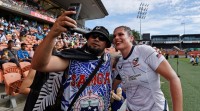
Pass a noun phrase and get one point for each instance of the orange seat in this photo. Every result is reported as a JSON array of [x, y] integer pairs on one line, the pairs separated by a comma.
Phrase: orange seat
[[29, 46], [8, 64], [10, 67], [12, 83], [25, 67], [34, 37]]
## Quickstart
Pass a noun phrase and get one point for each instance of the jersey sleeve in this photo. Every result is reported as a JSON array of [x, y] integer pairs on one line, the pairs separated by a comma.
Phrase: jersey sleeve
[[152, 57]]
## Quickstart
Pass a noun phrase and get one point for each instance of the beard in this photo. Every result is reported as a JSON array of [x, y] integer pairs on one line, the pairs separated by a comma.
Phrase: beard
[[94, 51]]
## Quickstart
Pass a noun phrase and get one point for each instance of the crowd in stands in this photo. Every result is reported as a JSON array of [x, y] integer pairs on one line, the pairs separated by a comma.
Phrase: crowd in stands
[[19, 40], [30, 5]]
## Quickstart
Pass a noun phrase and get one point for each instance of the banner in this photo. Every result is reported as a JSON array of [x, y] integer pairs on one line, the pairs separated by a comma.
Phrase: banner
[[38, 15]]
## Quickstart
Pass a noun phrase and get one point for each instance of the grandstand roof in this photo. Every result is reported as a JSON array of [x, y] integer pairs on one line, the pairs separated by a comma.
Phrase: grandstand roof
[[196, 35], [165, 35], [91, 9]]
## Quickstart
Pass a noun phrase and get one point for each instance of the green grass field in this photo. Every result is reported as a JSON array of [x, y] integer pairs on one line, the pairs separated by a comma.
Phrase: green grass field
[[190, 80]]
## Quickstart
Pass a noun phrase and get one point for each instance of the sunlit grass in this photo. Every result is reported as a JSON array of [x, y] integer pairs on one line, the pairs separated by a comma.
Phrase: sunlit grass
[[190, 80]]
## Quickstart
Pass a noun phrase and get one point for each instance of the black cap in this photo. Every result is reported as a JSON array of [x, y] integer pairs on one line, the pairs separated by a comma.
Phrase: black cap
[[23, 44], [35, 45], [100, 30]]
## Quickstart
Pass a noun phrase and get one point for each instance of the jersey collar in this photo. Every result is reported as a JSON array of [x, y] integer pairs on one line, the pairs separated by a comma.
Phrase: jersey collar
[[129, 53]]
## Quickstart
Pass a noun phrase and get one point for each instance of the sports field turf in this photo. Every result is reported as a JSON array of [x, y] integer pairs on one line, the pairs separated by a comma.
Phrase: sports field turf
[[190, 80]]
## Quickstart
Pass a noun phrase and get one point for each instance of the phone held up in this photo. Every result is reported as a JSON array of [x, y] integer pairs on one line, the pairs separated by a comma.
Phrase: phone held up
[[76, 7]]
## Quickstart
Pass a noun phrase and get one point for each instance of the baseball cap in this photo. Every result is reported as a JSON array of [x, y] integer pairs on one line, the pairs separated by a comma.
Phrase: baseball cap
[[100, 30], [1, 28]]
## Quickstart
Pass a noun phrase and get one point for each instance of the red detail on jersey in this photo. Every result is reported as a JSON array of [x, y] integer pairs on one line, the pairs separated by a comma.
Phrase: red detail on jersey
[[107, 80], [158, 55], [81, 80], [73, 77], [98, 79], [135, 62]]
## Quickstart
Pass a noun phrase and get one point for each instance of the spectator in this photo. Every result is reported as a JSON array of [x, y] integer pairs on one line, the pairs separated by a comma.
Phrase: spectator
[[192, 60], [8, 30], [2, 36], [39, 35], [167, 56], [9, 54], [15, 40], [27, 27], [23, 32], [196, 61], [33, 51], [23, 53]]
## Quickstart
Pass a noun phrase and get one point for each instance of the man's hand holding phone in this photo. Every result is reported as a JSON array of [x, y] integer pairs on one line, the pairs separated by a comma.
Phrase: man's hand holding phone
[[67, 21], [75, 7], [61, 24]]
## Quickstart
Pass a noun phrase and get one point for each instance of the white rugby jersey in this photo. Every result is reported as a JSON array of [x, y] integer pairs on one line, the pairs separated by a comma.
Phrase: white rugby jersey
[[139, 79]]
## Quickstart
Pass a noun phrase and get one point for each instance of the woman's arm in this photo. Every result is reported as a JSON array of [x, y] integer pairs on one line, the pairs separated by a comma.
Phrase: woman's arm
[[168, 73]]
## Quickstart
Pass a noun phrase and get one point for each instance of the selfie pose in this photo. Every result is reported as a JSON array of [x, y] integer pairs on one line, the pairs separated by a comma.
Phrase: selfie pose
[[77, 66]]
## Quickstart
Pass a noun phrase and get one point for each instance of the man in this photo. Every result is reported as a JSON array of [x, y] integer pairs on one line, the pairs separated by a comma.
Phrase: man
[[139, 69], [23, 54], [32, 51], [9, 54], [2, 35], [23, 32], [97, 93], [15, 40]]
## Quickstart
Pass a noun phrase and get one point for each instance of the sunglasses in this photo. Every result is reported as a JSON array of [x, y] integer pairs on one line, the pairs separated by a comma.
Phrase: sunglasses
[[101, 37]]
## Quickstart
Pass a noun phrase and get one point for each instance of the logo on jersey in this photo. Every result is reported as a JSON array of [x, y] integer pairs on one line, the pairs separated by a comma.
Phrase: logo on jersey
[[120, 67], [135, 62], [90, 102], [98, 79], [158, 55]]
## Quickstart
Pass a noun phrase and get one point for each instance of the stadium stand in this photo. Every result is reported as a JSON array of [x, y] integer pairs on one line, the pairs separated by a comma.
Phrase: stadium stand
[[10, 67], [25, 67], [20, 17]]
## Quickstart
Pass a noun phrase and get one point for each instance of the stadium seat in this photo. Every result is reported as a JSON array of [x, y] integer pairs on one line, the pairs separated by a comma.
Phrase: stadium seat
[[34, 37], [10, 67], [12, 83], [25, 67]]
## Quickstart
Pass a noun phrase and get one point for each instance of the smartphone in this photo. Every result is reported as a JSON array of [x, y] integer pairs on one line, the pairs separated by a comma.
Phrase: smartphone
[[75, 7]]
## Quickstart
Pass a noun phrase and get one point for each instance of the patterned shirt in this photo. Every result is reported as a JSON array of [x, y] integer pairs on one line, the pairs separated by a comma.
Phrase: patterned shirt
[[96, 96]]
